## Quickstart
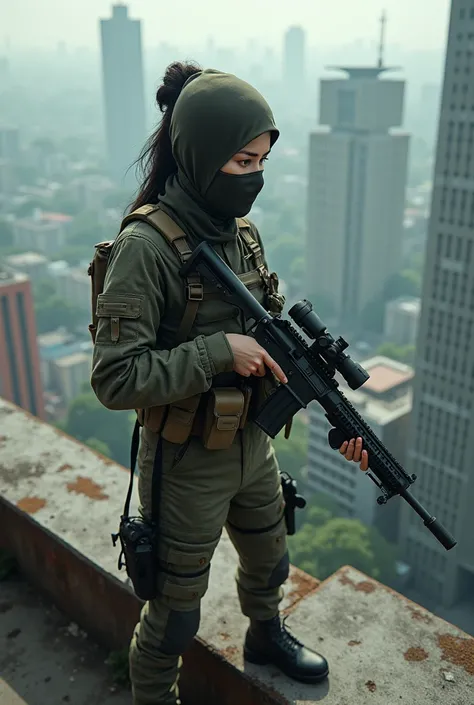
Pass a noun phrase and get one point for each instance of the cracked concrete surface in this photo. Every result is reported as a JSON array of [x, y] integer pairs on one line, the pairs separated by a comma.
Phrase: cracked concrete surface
[[45, 658]]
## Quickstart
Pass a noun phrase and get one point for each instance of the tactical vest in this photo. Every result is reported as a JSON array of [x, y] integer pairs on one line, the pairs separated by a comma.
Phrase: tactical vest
[[178, 420]]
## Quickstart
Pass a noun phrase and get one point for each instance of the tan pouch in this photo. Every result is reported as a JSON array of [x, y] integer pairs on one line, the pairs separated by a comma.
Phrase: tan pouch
[[179, 422], [223, 413]]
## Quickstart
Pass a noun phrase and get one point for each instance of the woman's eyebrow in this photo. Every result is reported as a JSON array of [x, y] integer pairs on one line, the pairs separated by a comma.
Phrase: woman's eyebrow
[[252, 154]]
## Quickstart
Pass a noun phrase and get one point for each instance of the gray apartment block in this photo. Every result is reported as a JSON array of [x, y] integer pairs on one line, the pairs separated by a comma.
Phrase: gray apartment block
[[356, 191], [124, 101]]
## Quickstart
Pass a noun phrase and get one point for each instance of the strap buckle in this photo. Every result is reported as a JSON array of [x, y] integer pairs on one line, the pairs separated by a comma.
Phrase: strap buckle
[[194, 292]]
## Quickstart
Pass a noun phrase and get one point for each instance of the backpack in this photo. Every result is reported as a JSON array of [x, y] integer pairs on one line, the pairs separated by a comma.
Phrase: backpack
[[161, 222]]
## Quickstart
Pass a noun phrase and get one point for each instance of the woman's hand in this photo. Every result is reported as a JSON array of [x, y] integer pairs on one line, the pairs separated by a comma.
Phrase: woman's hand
[[251, 359], [352, 450]]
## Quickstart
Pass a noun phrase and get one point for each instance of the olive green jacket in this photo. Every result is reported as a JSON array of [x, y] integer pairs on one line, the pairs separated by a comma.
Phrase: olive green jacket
[[136, 363]]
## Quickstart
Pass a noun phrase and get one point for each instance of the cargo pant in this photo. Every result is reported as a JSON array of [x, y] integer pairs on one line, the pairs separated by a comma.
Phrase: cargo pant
[[203, 491]]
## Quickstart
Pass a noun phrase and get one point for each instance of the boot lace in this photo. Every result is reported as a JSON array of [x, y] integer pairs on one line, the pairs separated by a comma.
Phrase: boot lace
[[288, 640]]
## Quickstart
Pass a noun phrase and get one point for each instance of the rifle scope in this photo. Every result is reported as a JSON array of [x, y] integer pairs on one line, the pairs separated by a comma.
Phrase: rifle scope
[[332, 351]]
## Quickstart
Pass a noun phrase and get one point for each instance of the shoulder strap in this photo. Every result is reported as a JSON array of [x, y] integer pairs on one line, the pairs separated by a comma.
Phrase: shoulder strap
[[161, 221], [254, 249]]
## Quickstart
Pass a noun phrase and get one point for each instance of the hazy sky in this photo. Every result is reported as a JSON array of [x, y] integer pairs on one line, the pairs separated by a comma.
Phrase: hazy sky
[[413, 24]]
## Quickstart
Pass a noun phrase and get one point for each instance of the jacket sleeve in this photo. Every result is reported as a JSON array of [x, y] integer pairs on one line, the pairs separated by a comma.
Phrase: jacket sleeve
[[127, 372]]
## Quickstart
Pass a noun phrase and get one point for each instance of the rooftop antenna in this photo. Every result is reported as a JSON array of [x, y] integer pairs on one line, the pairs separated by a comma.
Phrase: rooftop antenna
[[383, 22]]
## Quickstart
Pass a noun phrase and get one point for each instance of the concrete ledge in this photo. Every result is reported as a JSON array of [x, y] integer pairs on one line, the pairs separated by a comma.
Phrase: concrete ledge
[[8, 696], [60, 502]]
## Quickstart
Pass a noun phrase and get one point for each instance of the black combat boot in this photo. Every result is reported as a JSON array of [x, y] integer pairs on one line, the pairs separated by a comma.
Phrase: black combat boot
[[270, 642]]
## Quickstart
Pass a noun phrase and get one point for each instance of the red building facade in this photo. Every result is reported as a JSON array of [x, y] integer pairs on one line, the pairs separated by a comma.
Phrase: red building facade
[[20, 379]]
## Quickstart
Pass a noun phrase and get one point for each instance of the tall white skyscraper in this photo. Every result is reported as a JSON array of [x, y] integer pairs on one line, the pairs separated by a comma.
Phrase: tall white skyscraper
[[440, 445], [294, 59], [124, 102], [356, 191]]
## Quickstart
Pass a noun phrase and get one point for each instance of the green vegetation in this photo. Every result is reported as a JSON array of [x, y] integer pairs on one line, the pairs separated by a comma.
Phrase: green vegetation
[[405, 283], [401, 353], [325, 542], [292, 452], [108, 432]]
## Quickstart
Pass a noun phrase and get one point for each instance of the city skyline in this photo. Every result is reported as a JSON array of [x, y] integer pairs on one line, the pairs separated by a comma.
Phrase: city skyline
[[344, 22]]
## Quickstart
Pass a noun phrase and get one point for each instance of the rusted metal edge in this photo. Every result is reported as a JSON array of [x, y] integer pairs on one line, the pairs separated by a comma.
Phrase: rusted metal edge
[[108, 610]]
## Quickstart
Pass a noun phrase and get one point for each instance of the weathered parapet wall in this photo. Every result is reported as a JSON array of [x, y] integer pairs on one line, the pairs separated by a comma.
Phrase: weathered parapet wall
[[59, 504]]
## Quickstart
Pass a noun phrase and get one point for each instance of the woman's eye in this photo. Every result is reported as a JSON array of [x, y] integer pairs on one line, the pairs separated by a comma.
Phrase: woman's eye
[[263, 159], [245, 162]]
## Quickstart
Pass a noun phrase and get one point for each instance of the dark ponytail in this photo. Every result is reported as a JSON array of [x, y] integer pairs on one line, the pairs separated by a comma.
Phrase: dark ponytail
[[156, 162]]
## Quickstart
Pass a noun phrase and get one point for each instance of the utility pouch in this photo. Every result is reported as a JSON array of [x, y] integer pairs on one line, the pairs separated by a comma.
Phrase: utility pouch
[[225, 406], [180, 419], [138, 540]]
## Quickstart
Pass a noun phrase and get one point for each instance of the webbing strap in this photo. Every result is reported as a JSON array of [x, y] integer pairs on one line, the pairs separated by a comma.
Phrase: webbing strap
[[133, 461], [161, 221], [255, 251], [156, 475]]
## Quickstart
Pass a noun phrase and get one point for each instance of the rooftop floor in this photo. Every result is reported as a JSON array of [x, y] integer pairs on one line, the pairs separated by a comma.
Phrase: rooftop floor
[[45, 658], [60, 501]]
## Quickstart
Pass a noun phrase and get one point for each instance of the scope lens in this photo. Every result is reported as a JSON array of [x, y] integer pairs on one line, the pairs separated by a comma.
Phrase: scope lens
[[303, 315]]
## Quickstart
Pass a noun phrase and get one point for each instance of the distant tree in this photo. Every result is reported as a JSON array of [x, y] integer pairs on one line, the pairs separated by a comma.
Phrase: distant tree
[[372, 315], [401, 353], [54, 312], [99, 447], [89, 419], [405, 283], [280, 255], [323, 548], [292, 452]]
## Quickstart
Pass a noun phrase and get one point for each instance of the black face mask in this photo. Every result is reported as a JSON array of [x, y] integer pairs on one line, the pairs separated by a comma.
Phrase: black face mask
[[232, 195]]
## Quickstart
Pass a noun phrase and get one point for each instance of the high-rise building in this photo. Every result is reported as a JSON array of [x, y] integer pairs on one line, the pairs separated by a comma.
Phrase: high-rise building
[[124, 101], [440, 448], [385, 403], [69, 373], [401, 320], [20, 377], [9, 143], [294, 58], [356, 192]]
